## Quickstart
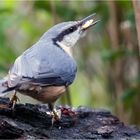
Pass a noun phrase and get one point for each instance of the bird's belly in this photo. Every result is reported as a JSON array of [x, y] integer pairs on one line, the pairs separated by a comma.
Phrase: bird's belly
[[45, 94]]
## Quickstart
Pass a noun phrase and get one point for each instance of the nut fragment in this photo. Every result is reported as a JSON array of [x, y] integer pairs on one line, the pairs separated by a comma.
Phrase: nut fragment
[[87, 24]]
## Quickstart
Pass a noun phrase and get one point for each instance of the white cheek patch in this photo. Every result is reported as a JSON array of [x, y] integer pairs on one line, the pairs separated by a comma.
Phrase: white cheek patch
[[73, 37], [68, 50]]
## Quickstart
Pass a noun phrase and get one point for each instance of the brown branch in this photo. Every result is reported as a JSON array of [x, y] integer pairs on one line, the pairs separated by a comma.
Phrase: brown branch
[[116, 70], [136, 5]]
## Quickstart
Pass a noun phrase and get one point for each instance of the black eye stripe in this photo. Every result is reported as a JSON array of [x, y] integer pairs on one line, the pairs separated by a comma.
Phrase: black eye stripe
[[69, 30], [65, 32]]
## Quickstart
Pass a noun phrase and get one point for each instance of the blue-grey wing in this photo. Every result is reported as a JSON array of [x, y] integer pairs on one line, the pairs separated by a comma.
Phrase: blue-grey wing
[[42, 64]]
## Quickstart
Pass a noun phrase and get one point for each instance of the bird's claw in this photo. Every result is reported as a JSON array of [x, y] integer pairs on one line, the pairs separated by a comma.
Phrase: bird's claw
[[11, 104], [56, 115], [13, 101]]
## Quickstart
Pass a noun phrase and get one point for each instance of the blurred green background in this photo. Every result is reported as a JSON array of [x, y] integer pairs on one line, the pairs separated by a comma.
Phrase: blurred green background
[[107, 57]]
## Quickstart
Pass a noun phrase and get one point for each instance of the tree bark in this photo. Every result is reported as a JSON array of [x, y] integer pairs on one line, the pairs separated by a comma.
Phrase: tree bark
[[32, 122], [136, 5], [136, 112]]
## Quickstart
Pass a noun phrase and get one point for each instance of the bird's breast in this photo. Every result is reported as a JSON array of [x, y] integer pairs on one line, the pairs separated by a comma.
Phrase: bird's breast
[[65, 66], [44, 94]]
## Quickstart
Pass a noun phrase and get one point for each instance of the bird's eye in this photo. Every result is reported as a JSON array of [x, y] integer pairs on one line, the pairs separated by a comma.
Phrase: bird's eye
[[71, 29]]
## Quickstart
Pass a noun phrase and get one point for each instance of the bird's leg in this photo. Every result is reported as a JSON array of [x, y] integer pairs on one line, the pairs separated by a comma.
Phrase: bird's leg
[[56, 115], [13, 101]]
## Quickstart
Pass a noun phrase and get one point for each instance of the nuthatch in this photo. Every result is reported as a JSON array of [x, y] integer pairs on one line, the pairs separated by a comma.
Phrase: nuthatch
[[45, 70]]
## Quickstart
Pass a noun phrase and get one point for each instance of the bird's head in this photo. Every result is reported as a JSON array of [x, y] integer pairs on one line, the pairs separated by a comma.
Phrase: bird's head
[[68, 33]]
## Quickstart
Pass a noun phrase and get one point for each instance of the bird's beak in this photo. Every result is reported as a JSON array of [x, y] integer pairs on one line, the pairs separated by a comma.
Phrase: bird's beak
[[88, 22]]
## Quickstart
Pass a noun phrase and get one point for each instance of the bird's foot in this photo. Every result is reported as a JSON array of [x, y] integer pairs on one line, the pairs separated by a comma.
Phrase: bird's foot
[[13, 101], [56, 115], [11, 104]]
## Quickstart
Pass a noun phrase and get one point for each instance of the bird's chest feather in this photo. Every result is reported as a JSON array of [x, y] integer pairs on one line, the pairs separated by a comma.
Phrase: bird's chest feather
[[50, 61], [58, 62], [65, 66], [64, 61]]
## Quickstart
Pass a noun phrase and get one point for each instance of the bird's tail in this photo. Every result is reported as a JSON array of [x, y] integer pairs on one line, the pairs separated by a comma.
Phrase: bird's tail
[[3, 88]]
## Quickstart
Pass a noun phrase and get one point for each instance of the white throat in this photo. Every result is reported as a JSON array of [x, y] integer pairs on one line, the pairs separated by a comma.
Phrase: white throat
[[68, 50]]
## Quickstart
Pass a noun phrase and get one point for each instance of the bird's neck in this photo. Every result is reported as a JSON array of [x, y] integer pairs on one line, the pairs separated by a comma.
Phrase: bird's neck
[[68, 50]]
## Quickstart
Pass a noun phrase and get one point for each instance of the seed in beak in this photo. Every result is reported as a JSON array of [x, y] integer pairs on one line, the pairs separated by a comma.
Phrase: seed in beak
[[87, 24]]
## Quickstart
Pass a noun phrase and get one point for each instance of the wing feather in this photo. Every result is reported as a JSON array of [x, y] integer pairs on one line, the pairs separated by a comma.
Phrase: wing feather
[[35, 66]]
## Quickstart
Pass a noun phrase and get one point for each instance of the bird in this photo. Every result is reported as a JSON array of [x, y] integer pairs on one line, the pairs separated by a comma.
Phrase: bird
[[46, 69]]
